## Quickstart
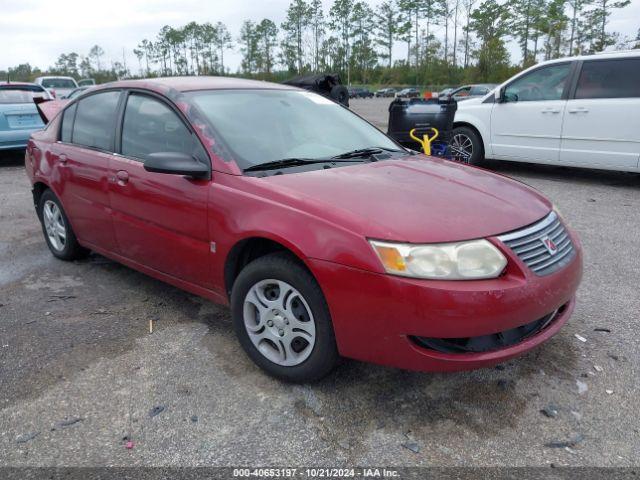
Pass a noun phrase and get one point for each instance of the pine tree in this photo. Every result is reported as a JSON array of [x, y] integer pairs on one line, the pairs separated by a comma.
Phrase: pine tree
[[294, 26], [388, 21]]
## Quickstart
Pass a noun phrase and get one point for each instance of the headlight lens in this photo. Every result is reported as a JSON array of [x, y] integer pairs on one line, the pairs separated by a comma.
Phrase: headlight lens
[[470, 260]]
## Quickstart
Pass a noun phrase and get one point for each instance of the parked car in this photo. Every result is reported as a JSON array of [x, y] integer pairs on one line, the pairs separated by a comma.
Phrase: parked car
[[408, 93], [580, 111], [86, 82], [320, 251], [359, 92], [386, 92], [446, 91], [472, 91], [327, 85], [59, 87], [18, 114]]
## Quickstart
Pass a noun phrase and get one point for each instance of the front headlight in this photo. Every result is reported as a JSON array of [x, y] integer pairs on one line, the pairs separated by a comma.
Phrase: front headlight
[[469, 260]]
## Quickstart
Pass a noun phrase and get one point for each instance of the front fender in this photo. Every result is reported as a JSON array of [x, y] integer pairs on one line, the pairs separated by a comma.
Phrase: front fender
[[236, 214]]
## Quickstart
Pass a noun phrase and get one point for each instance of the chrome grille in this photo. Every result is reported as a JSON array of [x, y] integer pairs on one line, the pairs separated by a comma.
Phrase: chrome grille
[[529, 244]]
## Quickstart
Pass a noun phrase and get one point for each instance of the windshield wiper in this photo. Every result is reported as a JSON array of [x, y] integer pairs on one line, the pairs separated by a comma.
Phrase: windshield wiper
[[367, 152], [288, 162]]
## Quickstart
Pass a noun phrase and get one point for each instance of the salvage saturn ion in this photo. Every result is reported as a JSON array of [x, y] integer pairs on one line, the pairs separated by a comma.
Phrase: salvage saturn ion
[[324, 236]]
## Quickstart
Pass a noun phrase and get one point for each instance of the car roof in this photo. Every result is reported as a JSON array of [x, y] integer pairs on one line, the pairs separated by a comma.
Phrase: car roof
[[20, 84], [47, 77], [187, 84], [597, 56]]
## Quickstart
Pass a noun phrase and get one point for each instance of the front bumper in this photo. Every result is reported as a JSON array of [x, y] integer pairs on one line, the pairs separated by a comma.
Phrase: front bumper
[[376, 317]]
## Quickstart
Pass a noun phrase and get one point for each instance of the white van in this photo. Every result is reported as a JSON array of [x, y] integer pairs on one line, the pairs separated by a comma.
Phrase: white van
[[59, 87], [578, 111]]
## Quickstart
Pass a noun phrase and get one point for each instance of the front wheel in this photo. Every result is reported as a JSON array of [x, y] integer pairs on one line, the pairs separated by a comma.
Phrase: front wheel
[[466, 146], [282, 320]]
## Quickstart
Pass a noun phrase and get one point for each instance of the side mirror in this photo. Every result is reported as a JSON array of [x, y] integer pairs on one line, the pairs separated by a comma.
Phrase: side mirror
[[503, 97], [176, 163]]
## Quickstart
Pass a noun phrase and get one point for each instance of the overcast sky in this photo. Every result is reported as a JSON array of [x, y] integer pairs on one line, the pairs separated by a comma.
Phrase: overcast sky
[[37, 31]]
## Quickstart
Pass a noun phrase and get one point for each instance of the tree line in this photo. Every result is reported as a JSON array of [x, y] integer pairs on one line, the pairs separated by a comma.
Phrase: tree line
[[444, 42]]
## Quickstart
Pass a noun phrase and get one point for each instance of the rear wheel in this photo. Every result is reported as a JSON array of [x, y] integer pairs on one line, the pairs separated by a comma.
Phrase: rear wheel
[[466, 146], [57, 230], [282, 320]]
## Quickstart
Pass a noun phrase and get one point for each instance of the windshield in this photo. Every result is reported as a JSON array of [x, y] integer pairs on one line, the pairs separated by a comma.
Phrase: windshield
[[266, 125], [58, 83], [24, 94]]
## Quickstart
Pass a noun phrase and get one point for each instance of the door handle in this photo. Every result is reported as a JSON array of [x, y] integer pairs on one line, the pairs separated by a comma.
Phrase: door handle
[[62, 158], [578, 110], [122, 177], [551, 110]]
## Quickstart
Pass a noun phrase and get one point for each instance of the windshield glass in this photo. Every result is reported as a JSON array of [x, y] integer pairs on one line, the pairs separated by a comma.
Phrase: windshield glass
[[24, 94], [266, 125], [58, 83]]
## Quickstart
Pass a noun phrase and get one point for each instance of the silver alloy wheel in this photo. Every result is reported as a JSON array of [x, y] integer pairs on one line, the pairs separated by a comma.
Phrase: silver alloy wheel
[[279, 322], [54, 225], [461, 148]]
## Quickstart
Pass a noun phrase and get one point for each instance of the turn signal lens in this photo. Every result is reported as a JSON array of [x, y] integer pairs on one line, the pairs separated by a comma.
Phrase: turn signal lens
[[391, 258]]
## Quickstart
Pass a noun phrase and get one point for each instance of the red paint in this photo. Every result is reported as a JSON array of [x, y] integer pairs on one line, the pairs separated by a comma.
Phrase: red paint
[[162, 225]]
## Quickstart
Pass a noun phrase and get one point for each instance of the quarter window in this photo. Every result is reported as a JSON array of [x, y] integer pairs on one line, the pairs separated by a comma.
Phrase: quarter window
[[609, 79], [95, 120], [150, 126], [67, 123], [546, 83]]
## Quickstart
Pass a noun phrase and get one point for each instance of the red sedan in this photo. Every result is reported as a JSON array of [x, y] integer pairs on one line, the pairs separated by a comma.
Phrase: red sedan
[[324, 236]]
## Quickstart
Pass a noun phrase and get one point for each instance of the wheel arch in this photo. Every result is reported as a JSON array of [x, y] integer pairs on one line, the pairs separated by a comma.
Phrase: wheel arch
[[37, 190], [249, 249], [476, 130]]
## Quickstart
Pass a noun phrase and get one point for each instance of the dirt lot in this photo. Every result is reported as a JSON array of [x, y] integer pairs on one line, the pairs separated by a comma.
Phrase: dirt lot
[[80, 374]]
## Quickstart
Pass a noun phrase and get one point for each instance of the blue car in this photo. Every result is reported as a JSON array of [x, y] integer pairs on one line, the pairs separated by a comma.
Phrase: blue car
[[18, 114]]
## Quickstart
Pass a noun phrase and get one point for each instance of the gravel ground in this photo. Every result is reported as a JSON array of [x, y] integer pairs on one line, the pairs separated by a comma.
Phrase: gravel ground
[[80, 374]]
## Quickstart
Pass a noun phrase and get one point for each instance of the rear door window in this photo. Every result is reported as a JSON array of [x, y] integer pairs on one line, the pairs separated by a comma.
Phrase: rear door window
[[609, 79], [95, 120], [150, 126], [67, 123]]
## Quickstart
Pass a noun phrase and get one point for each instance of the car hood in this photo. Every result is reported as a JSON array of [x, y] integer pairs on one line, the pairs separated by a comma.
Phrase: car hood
[[470, 101], [417, 200]]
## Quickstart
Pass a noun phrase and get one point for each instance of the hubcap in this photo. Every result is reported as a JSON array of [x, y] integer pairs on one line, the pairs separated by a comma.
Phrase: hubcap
[[461, 148], [279, 322], [54, 225]]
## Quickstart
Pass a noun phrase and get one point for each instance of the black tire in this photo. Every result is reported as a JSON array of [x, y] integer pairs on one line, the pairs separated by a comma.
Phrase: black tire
[[340, 94], [465, 133], [282, 266], [71, 250]]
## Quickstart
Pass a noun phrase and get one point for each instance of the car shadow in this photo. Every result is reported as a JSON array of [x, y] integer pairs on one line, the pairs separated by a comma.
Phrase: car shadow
[[11, 158], [562, 174]]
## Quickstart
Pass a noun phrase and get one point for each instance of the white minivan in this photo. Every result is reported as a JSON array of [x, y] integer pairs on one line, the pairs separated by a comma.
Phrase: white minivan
[[578, 111]]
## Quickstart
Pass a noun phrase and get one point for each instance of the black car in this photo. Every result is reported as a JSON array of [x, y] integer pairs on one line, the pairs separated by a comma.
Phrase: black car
[[408, 93], [359, 92], [386, 92]]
